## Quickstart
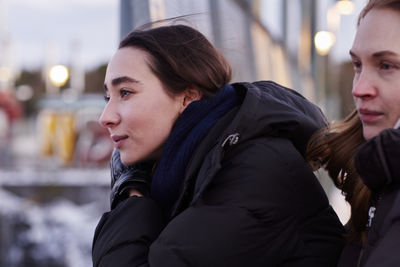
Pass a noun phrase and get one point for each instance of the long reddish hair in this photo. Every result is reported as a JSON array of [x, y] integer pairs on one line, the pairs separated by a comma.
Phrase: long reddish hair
[[333, 148]]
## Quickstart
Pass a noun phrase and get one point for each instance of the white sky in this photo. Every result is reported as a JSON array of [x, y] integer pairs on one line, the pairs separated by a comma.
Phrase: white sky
[[86, 31]]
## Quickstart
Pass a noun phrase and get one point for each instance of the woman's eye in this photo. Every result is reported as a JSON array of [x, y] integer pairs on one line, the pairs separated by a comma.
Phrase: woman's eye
[[385, 66], [124, 93], [357, 66]]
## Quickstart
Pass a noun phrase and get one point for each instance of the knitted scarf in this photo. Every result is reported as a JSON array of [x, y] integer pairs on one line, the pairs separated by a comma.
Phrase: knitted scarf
[[189, 130]]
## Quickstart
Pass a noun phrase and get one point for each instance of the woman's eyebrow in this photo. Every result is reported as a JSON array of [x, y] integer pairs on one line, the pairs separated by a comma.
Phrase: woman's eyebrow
[[123, 79], [384, 53], [119, 80], [352, 54], [378, 54]]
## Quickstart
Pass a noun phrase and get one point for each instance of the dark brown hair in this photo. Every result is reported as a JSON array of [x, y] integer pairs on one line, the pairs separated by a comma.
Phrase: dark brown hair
[[333, 148], [181, 57]]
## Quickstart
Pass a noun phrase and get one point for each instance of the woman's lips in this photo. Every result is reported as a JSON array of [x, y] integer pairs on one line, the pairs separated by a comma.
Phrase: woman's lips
[[118, 140], [369, 115]]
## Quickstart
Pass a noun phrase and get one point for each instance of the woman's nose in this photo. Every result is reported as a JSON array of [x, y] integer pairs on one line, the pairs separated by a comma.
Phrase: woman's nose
[[364, 86], [109, 117]]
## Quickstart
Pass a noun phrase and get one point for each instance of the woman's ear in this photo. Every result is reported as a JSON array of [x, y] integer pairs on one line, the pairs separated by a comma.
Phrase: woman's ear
[[189, 95]]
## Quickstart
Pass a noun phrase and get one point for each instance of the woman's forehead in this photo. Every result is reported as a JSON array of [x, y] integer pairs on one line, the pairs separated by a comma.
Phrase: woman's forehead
[[127, 62], [378, 32]]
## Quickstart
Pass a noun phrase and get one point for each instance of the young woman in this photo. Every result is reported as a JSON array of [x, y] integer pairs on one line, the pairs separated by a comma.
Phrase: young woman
[[362, 153], [213, 174]]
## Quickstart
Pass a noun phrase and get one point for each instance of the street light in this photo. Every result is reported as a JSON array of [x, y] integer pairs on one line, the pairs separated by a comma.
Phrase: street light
[[345, 7], [5, 74], [323, 41], [333, 19], [59, 75]]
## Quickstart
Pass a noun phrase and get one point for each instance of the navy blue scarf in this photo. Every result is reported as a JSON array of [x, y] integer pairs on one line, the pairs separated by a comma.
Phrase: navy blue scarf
[[189, 130]]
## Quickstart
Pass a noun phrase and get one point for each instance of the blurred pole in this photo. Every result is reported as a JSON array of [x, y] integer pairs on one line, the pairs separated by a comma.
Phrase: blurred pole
[[135, 13], [305, 50], [3, 18], [285, 24], [51, 59], [320, 63], [157, 10], [252, 17], [313, 30], [126, 17], [77, 80], [7, 73], [216, 22], [243, 62], [7, 70]]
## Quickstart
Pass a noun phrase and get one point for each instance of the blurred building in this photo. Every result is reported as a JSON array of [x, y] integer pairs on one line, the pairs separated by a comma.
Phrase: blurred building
[[239, 28], [234, 27], [266, 39]]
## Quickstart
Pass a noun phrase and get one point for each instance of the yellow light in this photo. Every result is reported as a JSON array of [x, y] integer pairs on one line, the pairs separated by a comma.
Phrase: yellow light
[[5, 74], [333, 19], [345, 7], [323, 41], [59, 75]]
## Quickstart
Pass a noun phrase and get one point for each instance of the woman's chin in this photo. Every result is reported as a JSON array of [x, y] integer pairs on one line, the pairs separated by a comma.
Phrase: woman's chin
[[371, 131], [125, 159]]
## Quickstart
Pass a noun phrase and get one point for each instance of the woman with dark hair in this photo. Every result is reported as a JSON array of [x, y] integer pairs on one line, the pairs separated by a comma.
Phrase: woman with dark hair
[[362, 152], [206, 173]]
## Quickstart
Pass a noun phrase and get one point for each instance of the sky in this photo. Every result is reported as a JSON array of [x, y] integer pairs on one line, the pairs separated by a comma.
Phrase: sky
[[61, 31]]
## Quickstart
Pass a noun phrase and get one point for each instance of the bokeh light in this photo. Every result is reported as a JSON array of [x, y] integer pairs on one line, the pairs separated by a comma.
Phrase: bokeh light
[[59, 75], [5, 74], [323, 41], [345, 7]]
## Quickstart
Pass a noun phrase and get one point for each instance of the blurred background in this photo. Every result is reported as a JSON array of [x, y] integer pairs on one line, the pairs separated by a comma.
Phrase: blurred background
[[54, 177]]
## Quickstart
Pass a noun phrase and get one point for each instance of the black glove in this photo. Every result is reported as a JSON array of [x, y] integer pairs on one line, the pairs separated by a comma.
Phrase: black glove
[[377, 160], [137, 176]]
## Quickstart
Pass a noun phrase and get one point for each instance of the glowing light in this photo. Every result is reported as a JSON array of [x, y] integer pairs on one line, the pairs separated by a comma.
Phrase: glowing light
[[59, 75], [333, 19], [345, 7], [323, 41], [5, 74]]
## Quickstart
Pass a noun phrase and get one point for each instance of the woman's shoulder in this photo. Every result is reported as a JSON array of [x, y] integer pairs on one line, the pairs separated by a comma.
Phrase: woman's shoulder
[[265, 152], [270, 163]]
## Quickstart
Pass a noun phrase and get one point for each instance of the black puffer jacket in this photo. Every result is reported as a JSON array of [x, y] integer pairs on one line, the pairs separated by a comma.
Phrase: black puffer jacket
[[249, 198], [377, 161]]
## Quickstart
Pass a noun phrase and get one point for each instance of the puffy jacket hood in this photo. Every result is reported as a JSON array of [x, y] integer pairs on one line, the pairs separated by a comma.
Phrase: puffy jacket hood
[[271, 109]]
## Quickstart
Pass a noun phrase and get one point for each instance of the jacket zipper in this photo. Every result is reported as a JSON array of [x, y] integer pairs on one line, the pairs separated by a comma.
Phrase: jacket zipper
[[372, 208]]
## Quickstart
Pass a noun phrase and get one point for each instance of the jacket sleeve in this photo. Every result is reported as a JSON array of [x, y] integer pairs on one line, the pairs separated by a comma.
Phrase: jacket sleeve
[[385, 244], [123, 235], [264, 207]]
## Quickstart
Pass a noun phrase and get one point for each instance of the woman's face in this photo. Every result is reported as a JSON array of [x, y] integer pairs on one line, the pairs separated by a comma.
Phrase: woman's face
[[139, 113], [376, 60]]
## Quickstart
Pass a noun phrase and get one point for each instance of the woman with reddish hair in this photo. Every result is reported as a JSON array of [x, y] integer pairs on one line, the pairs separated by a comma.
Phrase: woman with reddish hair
[[362, 153]]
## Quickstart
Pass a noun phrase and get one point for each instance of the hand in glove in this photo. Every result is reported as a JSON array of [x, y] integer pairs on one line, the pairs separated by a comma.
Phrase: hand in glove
[[377, 160], [124, 178]]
